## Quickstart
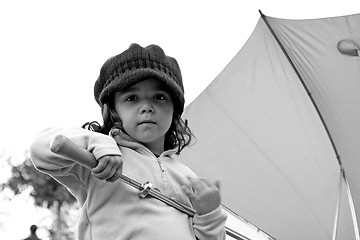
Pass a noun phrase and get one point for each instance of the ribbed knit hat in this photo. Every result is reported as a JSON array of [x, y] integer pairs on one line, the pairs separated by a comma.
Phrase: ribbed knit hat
[[136, 64]]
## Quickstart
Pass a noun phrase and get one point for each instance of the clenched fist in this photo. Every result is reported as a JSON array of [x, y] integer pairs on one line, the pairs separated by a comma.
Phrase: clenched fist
[[109, 168]]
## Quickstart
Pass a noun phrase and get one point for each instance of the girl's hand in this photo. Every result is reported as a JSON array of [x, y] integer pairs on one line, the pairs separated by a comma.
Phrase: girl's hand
[[204, 194], [109, 168]]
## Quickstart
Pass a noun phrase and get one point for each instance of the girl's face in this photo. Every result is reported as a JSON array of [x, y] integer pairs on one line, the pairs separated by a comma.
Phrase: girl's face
[[146, 111]]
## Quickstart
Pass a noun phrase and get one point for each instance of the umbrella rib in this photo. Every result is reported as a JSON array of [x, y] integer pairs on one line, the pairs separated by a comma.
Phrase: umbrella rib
[[342, 170], [229, 231], [305, 87]]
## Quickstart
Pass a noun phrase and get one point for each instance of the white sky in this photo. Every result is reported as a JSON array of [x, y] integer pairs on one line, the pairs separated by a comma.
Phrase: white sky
[[51, 51]]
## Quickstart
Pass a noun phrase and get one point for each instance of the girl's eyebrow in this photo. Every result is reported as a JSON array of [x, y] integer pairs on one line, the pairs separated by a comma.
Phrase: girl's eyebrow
[[163, 88], [158, 87], [129, 89]]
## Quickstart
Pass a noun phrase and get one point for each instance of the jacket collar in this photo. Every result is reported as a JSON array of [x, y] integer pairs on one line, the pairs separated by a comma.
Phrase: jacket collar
[[123, 139]]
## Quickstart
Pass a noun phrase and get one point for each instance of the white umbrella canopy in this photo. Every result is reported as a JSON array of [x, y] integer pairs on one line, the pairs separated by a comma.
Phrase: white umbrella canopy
[[260, 133]]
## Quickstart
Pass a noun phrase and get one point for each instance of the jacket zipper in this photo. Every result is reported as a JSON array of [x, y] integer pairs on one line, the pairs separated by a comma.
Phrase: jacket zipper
[[161, 166], [162, 169]]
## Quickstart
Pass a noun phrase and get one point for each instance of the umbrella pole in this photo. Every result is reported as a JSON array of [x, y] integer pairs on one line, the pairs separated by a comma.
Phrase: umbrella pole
[[336, 221], [342, 180], [352, 209]]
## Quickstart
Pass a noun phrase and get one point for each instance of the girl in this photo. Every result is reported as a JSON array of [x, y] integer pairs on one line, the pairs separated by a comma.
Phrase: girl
[[141, 95]]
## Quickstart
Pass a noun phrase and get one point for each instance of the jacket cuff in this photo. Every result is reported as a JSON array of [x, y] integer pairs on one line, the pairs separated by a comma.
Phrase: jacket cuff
[[205, 219]]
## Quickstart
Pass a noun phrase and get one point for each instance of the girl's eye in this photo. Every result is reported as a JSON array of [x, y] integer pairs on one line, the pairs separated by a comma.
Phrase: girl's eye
[[160, 97], [131, 98]]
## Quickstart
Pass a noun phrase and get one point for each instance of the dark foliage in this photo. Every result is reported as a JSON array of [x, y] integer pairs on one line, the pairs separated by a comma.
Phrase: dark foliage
[[45, 190]]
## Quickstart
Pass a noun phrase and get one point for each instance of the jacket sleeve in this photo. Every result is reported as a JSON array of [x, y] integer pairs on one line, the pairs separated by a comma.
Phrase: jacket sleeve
[[66, 171], [210, 226], [47, 161]]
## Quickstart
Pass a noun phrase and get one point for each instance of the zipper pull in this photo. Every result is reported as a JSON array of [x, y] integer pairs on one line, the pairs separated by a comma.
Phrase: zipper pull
[[162, 170], [160, 164]]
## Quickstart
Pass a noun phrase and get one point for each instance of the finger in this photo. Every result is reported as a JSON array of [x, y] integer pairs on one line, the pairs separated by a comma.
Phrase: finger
[[211, 184], [197, 184], [100, 167], [218, 184], [104, 173], [110, 174], [189, 192], [115, 176]]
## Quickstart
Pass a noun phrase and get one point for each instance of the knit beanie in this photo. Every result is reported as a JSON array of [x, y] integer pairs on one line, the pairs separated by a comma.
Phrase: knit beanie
[[135, 65]]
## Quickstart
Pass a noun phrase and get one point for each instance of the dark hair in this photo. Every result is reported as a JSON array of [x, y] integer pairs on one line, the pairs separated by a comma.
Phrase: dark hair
[[179, 134]]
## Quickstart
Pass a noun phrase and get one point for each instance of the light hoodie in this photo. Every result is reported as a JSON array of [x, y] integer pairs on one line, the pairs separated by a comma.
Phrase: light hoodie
[[114, 211]]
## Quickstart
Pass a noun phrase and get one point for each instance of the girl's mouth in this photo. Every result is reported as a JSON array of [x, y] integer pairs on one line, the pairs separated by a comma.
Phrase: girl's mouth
[[147, 122]]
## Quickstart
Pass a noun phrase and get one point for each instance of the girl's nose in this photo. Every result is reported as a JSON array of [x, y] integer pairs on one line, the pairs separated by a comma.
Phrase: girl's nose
[[146, 107]]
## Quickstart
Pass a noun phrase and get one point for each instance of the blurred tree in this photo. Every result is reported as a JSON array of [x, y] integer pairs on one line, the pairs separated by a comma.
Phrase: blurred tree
[[46, 192]]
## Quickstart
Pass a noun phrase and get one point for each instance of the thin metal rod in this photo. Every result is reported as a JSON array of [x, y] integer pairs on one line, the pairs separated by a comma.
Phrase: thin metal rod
[[234, 234], [336, 220], [352, 208], [305, 87], [65, 147], [245, 221]]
